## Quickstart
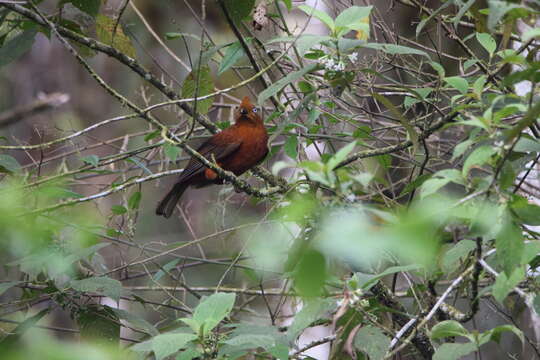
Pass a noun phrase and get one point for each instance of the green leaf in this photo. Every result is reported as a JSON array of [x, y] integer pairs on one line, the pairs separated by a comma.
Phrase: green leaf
[[353, 18], [165, 268], [530, 34], [395, 49], [321, 15], [290, 147], [487, 42], [527, 212], [504, 284], [312, 310], [340, 155], [288, 4], [17, 46], [103, 285], [389, 271], [119, 40], [479, 156], [450, 351], [432, 186], [281, 83], [134, 200], [310, 274], [211, 310], [91, 7], [91, 160], [510, 245], [457, 253], [206, 86], [239, 9], [233, 53], [8, 164], [164, 345], [118, 209], [448, 328], [459, 83], [495, 333], [171, 151], [372, 341]]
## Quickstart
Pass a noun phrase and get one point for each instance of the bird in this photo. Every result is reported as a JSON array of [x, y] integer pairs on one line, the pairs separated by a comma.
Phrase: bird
[[237, 149]]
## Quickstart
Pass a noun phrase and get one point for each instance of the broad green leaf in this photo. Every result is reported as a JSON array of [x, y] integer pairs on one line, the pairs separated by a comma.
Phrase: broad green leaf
[[211, 310], [306, 42], [164, 345], [233, 53], [251, 341], [310, 274], [353, 18], [504, 284], [17, 46], [288, 4], [8, 164], [530, 34], [459, 83], [527, 145], [321, 15], [290, 147], [91, 7], [527, 212], [393, 49], [391, 270], [91, 160], [457, 253], [448, 328], [281, 83], [119, 40], [509, 242], [478, 157], [495, 333], [311, 311], [432, 186], [205, 86], [103, 285], [449, 351], [134, 200], [340, 155], [165, 268], [118, 209], [239, 9], [171, 151], [487, 42], [372, 341]]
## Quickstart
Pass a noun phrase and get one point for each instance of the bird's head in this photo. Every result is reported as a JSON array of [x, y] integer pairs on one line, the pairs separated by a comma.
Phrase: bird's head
[[248, 112]]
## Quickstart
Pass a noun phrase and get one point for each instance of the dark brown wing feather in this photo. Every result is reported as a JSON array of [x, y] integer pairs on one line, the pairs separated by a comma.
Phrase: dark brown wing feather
[[210, 151]]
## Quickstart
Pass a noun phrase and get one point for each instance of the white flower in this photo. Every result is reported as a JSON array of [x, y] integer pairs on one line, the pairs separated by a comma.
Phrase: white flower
[[353, 57], [340, 66]]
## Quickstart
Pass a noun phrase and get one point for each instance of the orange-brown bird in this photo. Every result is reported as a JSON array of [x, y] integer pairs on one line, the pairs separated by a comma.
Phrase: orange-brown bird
[[237, 149]]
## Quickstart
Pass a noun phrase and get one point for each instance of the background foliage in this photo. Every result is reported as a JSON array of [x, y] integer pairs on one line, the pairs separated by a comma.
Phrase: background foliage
[[395, 216]]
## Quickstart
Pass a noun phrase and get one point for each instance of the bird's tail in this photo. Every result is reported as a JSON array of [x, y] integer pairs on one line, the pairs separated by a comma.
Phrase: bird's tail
[[168, 203]]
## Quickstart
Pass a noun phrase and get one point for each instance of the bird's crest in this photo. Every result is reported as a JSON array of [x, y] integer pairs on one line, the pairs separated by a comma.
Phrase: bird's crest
[[246, 104]]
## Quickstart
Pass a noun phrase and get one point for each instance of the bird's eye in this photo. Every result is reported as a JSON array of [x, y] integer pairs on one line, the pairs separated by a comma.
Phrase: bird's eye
[[254, 110], [243, 111]]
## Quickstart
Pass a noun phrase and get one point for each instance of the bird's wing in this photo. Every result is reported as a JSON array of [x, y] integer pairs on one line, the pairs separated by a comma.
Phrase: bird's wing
[[209, 149]]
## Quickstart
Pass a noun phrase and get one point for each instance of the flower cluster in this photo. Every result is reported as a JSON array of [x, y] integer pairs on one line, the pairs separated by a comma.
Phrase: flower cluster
[[337, 65]]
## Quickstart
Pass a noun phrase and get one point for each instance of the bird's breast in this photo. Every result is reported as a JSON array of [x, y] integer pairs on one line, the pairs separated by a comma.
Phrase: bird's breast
[[251, 152]]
